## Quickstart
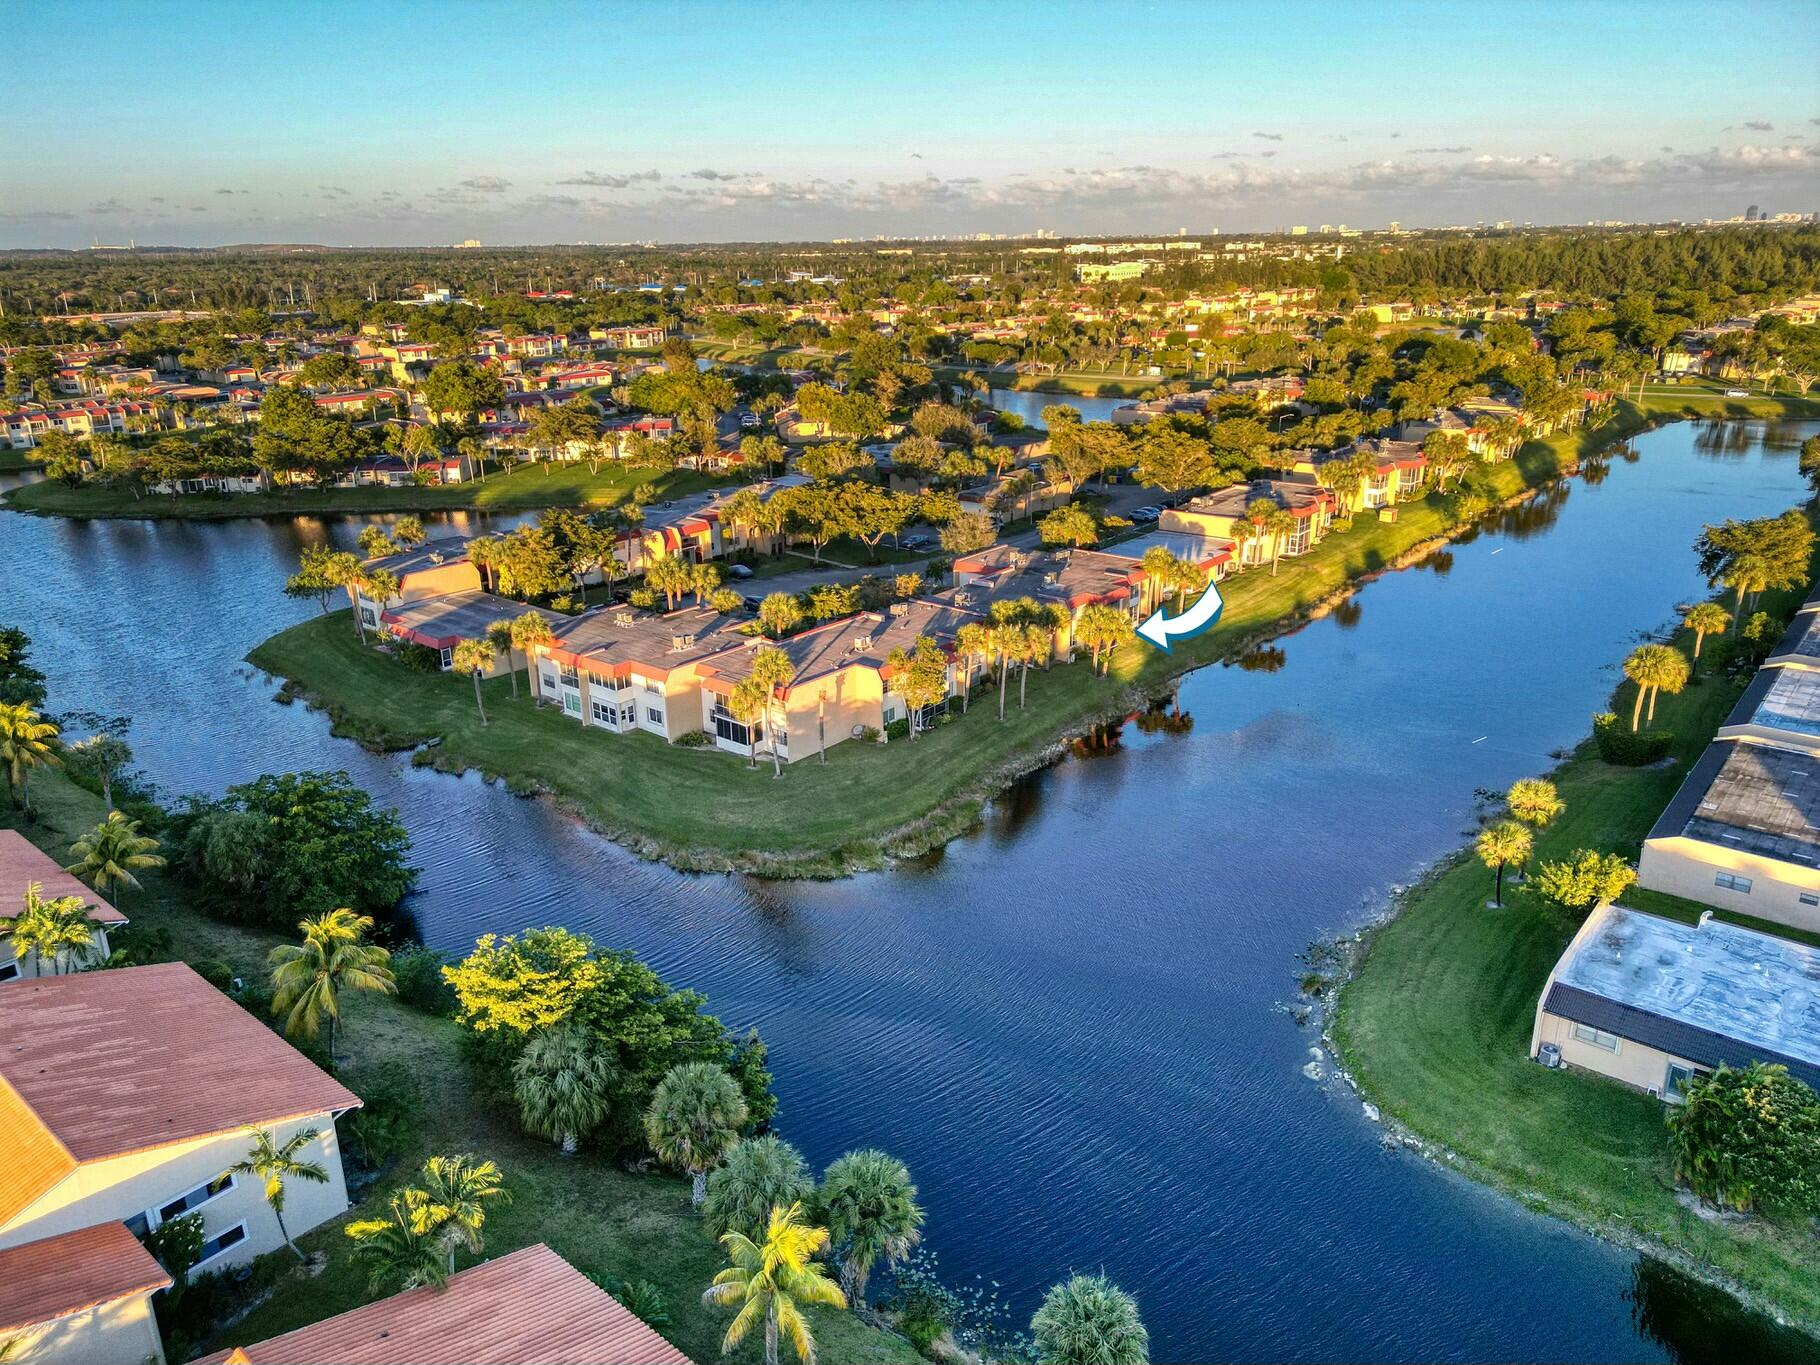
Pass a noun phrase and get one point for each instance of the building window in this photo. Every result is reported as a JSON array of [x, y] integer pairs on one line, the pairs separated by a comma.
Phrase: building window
[[1731, 882], [1598, 1037], [571, 702], [628, 716], [220, 1242], [733, 731], [448, 659], [1809, 898], [604, 713], [653, 715], [197, 1197], [1674, 1088], [8, 970]]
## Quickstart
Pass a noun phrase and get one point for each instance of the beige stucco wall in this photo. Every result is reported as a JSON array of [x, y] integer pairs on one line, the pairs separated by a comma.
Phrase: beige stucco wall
[[118, 1188], [31, 967], [1686, 867], [120, 1333], [1645, 1068]]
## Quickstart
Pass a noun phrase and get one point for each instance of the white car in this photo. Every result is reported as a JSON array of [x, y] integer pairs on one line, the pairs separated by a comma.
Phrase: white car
[[749, 421], [1737, 393]]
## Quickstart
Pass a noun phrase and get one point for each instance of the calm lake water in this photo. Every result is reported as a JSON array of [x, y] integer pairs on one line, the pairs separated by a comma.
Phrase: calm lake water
[[1072, 1023]]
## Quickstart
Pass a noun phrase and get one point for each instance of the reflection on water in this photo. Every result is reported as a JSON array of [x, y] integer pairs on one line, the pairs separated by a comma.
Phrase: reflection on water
[[1698, 1325], [1069, 1022]]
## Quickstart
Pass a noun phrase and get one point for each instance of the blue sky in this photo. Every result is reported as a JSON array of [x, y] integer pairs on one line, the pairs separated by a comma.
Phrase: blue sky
[[406, 122]]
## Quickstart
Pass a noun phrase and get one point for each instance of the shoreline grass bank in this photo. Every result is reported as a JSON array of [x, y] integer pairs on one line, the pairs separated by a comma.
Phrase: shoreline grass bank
[[1432, 1023], [705, 810], [521, 488], [602, 1218]]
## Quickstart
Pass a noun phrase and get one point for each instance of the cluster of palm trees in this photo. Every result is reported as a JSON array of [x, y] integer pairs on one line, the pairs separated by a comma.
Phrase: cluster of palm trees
[[1655, 669], [1264, 521], [27, 742], [760, 696], [427, 1223], [1530, 806], [675, 576]]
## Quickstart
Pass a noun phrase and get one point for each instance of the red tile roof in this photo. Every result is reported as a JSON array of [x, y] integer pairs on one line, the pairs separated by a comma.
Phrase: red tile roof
[[23, 862], [133, 1058], [528, 1308], [56, 1276]]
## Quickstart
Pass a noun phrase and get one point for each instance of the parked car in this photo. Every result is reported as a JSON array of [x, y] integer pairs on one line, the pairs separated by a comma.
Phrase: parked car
[[749, 421], [1737, 393], [739, 571]]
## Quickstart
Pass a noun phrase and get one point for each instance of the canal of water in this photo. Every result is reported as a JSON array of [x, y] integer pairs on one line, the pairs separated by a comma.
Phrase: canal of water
[[1072, 1023]]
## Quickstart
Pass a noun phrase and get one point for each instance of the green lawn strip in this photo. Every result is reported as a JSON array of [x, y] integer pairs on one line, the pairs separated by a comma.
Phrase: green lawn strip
[[1435, 1028], [12, 461], [601, 1218], [706, 809], [519, 488]]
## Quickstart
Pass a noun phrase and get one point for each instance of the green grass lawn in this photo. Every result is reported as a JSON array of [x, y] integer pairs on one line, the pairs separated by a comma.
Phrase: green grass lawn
[[518, 488], [12, 461], [1435, 1028], [601, 1218]]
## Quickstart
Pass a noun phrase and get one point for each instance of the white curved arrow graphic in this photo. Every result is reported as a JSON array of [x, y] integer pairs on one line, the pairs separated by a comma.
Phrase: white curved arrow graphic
[[1160, 629]]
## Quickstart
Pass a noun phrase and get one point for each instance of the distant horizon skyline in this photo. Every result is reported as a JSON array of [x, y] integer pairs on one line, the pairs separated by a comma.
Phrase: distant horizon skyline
[[793, 122]]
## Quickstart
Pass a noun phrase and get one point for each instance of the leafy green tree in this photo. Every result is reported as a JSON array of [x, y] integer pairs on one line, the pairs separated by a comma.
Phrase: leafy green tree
[[772, 670], [1103, 629], [308, 978], [20, 682], [968, 533], [110, 853], [755, 1176], [27, 742], [1752, 556], [693, 1121], [919, 676], [1534, 802], [275, 1164], [870, 1205], [530, 632], [1072, 524], [564, 1085], [323, 571], [770, 1281], [1499, 846], [1749, 1138], [747, 702], [1583, 879], [461, 388], [1088, 1320], [51, 932]]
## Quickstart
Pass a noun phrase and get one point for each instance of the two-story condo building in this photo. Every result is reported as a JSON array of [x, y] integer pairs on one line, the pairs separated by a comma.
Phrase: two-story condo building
[[624, 670], [1215, 515]]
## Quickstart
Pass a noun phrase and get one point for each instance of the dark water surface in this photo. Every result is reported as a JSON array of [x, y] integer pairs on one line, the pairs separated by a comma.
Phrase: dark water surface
[[1071, 1023]]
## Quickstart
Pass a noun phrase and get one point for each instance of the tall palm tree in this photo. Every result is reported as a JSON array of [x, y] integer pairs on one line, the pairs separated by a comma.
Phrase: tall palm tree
[[473, 657], [309, 977], [773, 671], [27, 741], [693, 1119], [772, 1282], [872, 1211], [110, 853], [1088, 1320], [563, 1084], [747, 702], [1709, 618], [1499, 846], [54, 931], [1654, 668], [402, 1249], [275, 1163], [758, 1175], [529, 632], [973, 641], [460, 1188], [1534, 803], [1279, 525], [499, 637]]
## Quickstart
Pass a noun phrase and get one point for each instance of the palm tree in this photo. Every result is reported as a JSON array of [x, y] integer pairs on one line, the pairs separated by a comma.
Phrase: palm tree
[[473, 657], [693, 1119], [109, 854], [758, 1175], [1534, 803], [1500, 845], [403, 1250], [27, 741], [275, 1163], [1654, 668], [1088, 1320], [972, 641], [872, 1211], [563, 1084], [1242, 533], [773, 671], [499, 638], [1008, 642], [529, 631], [459, 1190], [309, 977], [1279, 525], [53, 931], [747, 703], [771, 1283], [1709, 618]]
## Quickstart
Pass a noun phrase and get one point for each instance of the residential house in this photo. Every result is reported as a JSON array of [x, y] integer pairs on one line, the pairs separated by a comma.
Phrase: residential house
[[127, 1094], [1213, 557], [81, 1298], [842, 686], [623, 670], [21, 863], [1397, 474], [1654, 1002], [435, 568], [530, 1307], [646, 338], [443, 622], [249, 480], [999, 497], [1215, 514], [1068, 579]]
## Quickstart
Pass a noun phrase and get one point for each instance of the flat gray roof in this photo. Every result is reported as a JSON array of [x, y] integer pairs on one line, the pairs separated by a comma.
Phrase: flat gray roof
[[1802, 639], [1182, 544], [1790, 702], [1709, 992], [1752, 797]]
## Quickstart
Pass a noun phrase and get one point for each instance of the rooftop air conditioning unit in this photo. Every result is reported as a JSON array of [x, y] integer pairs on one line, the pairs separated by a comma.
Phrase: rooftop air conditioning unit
[[863, 642], [622, 618], [681, 641], [900, 608]]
